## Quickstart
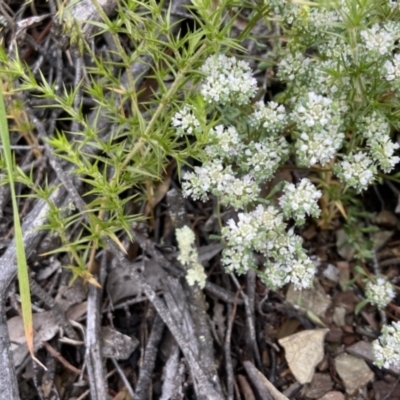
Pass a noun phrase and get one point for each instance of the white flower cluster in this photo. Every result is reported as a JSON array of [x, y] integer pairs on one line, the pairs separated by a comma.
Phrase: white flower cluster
[[189, 257], [335, 86], [258, 161], [213, 178], [235, 171], [356, 170], [185, 122], [237, 192], [230, 81], [382, 151], [225, 143], [295, 69], [318, 19], [227, 80], [378, 39], [300, 200], [318, 141], [355, 72], [392, 68], [292, 66], [263, 230], [379, 293], [315, 111], [287, 11], [263, 158], [373, 124], [376, 130], [271, 117], [296, 267], [386, 348], [318, 121], [199, 183]]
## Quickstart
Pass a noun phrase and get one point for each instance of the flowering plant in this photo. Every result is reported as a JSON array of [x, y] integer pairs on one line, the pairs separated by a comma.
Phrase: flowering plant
[[341, 70], [387, 347], [324, 124], [380, 292]]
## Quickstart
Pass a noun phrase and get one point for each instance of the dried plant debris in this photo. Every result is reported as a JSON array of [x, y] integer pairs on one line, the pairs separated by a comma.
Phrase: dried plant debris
[[45, 326], [117, 345], [192, 219], [303, 351], [353, 371]]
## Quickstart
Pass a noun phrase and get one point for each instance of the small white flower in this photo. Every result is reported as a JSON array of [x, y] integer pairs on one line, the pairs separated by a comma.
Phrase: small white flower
[[263, 158], [386, 348], [237, 260], [300, 200], [379, 293], [237, 192], [382, 149], [290, 263], [271, 117], [213, 178], [318, 122], [377, 39], [242, 233], [392, 68], [373, 126], [227, 80], [356, 170], [185, 121], [315, 111], [226, 143], [197, 184], [318, 146], [189, 257]]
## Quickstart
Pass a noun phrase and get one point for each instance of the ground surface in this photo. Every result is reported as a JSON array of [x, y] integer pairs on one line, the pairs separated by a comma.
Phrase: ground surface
[[145, 331]]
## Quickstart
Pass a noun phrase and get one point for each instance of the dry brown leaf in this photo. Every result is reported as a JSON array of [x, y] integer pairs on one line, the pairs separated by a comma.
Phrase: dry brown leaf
[[117, 345], [303, 351], [353, 371], [77, 311], [45, 327], [385, 219], [67, 296], [314, 299], [319, 386], [344, 248], [121, 285], [380, 238]]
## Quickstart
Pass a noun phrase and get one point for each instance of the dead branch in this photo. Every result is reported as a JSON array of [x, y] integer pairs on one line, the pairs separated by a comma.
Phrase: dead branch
[[205, 385]]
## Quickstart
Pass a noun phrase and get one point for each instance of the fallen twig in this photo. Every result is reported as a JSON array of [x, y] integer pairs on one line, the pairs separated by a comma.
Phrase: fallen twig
[[205, 386], [146, 370], [94, 359]]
